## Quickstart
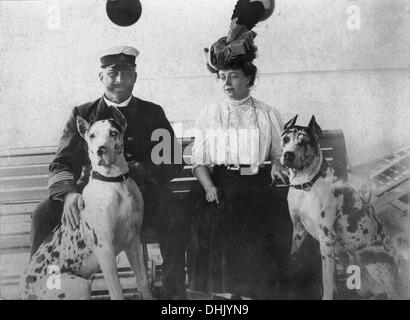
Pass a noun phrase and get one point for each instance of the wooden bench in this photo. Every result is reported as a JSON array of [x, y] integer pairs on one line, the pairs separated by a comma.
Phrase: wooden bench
[[23, 184]]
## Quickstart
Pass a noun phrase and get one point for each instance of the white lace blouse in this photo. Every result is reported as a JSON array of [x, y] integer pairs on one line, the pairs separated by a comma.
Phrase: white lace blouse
[[237, 132]]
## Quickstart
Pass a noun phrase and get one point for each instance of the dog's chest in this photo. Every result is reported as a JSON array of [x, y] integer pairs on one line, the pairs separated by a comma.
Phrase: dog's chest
[[309, 206], [114, 209]]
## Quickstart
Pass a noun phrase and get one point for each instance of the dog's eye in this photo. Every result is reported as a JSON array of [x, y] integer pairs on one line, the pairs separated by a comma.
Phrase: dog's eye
[[286, 139], [113, 133], [92, 136]]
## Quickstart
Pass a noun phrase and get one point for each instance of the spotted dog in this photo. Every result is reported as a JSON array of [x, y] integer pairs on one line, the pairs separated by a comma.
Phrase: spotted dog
[[343, 222], [109, 224]]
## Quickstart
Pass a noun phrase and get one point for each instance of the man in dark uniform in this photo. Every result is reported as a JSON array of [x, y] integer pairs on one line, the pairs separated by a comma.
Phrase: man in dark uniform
[[68, 172]]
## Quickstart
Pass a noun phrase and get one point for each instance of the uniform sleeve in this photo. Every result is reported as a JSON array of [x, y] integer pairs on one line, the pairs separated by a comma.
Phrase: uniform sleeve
[[66, 167], [277, 127], [165, 172]]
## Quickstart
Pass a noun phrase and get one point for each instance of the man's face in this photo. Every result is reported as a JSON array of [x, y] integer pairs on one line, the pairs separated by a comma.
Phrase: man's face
[[118, 82]]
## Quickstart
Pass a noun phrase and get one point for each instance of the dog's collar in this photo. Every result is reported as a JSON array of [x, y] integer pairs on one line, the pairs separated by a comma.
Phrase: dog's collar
[[308, 185], [120, 178]]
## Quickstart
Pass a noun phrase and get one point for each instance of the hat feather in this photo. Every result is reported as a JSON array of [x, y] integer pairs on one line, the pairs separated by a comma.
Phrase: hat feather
[[246, 14]]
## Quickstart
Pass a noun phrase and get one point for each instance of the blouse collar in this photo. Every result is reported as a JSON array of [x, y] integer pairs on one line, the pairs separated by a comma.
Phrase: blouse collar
[[243, 101]]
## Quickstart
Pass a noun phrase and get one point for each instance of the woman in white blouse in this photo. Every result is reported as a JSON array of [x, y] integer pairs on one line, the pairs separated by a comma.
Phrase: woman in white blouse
[[241, 231]]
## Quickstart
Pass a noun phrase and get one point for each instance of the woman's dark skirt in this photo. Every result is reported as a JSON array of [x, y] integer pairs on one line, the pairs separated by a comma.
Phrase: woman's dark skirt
[[242, 245]]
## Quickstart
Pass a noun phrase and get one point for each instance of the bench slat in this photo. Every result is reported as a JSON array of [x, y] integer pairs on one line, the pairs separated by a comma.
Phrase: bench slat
[[23, 182], [14, 224], [15, 244], [24, 194], [16, 171], [17, 208], [25, 160]]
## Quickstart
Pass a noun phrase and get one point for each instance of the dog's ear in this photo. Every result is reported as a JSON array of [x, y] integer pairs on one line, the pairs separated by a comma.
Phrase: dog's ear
[[314, 127], [291, 123], [82, 126], [119, 119]]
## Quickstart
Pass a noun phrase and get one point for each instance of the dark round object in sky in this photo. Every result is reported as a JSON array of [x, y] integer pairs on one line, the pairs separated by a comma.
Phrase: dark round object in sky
[[124, 12]]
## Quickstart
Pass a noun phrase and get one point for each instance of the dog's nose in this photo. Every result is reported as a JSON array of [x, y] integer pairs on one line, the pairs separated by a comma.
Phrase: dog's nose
[[100, 151], [289, 156]]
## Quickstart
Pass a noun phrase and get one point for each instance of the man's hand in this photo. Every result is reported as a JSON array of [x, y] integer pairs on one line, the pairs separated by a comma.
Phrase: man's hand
[[212, 194], [73, 203], [279, 172]]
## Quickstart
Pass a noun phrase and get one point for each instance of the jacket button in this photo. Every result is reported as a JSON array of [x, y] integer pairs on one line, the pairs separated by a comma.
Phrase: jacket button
[[129, 155], [130, 139]]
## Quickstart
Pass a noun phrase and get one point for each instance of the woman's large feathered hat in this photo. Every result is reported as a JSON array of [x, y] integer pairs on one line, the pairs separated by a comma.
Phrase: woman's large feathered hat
[[238, 46]]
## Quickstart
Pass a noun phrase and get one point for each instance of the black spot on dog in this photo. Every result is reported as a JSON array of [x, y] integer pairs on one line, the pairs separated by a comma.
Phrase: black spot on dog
[[326, 231], [354, 215], [55, 255], [30, 279], [60, 234], [88, 227], [365, 231], [81, 244], [38, 270], [49, 249], [70, 262], [298, 237], [95, 238], [40, 258], [322, 214], [61, 295]]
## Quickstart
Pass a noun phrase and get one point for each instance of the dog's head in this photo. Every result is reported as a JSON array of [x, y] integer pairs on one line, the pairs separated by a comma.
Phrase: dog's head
[[104, 137], [300, 145]]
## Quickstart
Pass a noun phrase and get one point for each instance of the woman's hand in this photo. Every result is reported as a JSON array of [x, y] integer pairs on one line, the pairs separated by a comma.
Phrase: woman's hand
[[212, 194], [279, 172]]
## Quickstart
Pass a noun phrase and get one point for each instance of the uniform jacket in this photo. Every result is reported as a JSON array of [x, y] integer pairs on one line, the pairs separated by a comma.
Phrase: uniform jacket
[[71, 160]]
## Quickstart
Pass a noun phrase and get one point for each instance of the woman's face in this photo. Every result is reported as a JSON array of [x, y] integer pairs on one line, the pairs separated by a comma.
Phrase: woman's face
[[234, 83]]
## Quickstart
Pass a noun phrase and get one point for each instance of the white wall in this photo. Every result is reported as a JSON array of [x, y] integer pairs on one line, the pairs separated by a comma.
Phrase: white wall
[[310, 62]]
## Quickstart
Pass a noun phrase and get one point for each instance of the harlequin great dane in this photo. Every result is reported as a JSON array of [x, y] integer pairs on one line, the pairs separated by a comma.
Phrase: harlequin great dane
[[343, 222], [109, 224]]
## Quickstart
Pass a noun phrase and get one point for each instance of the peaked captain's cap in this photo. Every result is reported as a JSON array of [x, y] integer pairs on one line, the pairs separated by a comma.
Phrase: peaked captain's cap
[[121, 56]]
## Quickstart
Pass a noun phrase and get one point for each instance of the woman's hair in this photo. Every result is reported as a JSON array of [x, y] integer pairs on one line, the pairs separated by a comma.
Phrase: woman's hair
[[247, 67]]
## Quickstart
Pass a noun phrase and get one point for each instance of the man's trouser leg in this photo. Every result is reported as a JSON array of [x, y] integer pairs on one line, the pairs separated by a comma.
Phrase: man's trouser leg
[[44, 219], [167, 216], [173, 233]]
